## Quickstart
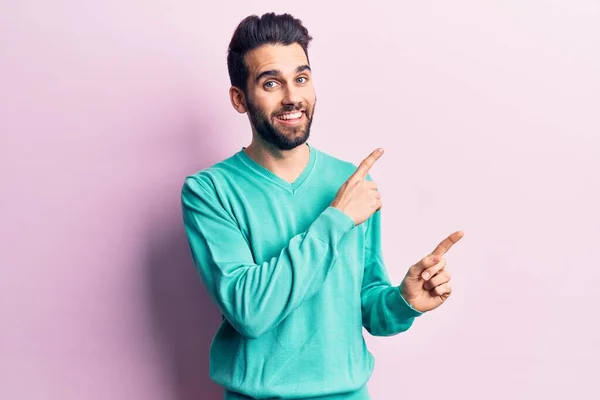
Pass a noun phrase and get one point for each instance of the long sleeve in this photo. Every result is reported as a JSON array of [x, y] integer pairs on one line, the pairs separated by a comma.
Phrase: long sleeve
[[384, 310], [253, 297]]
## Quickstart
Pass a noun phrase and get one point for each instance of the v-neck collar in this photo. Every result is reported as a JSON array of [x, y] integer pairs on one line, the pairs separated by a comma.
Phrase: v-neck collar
[[277, 180]]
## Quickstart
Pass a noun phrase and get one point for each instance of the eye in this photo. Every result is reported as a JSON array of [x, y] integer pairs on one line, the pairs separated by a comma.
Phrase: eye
[[302, 79], [270, 84]]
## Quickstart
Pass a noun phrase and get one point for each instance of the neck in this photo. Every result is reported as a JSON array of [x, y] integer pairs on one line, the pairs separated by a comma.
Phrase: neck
[[287, 164]]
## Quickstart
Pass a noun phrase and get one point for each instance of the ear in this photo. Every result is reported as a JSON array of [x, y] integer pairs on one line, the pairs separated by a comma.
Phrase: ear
[[238, 101]]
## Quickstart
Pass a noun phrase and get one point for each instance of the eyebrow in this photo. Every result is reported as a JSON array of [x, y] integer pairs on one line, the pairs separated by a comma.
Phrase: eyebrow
[[276, 72]]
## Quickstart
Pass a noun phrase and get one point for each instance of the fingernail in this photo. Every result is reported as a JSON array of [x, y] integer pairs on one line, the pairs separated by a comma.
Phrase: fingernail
[[380, 151], [425, 275]]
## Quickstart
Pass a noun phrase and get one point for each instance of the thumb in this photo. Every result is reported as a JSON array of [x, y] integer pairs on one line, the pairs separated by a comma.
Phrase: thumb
[[425, 263]]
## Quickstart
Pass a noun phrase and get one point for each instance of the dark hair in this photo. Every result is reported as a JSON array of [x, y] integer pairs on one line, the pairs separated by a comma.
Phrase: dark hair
[[254, 32]]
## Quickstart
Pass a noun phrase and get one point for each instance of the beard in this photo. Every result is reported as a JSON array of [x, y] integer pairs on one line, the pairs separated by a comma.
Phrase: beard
[[287, 138]]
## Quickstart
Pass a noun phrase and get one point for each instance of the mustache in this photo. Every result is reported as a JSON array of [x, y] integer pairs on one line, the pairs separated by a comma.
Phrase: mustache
[[290, 108]]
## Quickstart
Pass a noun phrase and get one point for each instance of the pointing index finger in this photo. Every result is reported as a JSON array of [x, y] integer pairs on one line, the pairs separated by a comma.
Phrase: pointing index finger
[[447, 243], [366, 164]]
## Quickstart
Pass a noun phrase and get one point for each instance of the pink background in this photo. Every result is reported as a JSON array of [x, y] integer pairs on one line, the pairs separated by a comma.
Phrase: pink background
[[490, 115]]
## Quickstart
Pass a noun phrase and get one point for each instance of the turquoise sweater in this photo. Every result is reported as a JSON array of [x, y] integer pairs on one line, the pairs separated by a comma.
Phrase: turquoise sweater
[[295, 280]]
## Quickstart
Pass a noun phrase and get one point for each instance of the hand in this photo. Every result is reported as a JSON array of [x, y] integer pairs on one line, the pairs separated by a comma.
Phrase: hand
[[358, 197], [427, 283]]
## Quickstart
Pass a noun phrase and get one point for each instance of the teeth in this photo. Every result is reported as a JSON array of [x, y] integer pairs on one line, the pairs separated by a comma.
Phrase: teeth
[[295, 115]]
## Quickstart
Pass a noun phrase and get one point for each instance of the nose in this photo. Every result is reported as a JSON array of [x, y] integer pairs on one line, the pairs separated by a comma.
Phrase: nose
[[291, 96]]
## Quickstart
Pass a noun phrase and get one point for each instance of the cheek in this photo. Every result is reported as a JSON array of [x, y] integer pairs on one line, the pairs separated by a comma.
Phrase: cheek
[[266, 103], [310, 95]]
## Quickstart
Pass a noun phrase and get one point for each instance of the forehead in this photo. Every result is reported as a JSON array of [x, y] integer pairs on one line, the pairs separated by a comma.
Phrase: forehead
[[280, 57]]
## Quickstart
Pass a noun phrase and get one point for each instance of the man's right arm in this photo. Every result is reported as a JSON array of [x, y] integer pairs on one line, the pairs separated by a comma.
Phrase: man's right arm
[[253, 297]]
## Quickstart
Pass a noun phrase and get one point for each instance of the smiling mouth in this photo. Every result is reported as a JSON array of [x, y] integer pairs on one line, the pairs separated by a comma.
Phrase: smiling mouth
[[290, 116]]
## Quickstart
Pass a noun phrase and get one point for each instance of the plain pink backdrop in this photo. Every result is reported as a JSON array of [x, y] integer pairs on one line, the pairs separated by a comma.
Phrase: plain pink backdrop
[[490, 115]]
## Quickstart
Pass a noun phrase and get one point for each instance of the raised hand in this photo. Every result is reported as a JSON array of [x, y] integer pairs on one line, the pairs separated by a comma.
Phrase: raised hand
[[427, 283], [358, 197]]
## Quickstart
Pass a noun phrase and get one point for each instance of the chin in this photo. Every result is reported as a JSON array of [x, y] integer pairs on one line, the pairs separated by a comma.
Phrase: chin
[[285, 144]]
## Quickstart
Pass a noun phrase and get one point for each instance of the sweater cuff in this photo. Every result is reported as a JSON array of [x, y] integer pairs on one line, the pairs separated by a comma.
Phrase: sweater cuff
[[332, 225], [400, 306]]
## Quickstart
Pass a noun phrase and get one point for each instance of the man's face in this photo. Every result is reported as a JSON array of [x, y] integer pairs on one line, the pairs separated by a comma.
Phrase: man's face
[[280, 95]]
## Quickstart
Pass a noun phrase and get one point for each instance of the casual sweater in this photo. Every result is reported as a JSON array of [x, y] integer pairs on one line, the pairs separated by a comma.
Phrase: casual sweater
[[295, 279]]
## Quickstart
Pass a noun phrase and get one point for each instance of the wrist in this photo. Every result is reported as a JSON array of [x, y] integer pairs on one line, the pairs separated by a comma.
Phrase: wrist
[[342, 210], [406, 298], [404, 306]]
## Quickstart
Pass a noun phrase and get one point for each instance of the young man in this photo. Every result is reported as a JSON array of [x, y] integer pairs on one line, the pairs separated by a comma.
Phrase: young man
[[286, 239]]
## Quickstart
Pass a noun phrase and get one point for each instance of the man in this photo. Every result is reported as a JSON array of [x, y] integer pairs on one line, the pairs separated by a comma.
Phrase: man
[[286, 239]]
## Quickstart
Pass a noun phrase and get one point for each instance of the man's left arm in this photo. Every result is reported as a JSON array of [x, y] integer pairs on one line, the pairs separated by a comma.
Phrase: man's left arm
[[384, 311]]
